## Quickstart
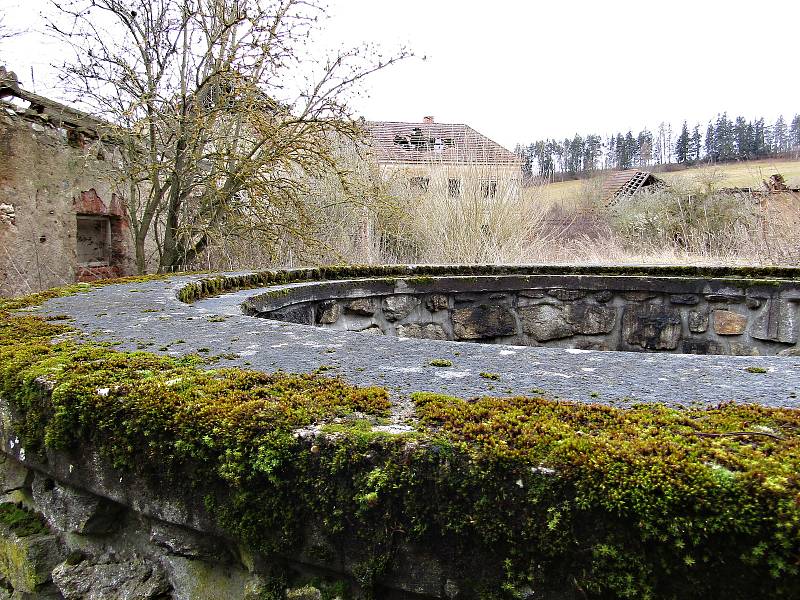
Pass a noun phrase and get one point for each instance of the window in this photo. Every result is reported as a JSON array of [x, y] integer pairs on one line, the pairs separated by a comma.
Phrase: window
[[94, 241], [420, 184], [454, 188], [488, 188]]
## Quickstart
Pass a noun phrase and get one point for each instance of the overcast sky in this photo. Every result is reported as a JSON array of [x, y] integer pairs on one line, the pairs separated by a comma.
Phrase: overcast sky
[[519, 70]]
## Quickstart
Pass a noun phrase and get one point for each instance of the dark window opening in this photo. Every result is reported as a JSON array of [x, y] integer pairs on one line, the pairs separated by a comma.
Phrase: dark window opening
[[420, 184], [454, 188], [94, 241], [419, 142], [488, 188]]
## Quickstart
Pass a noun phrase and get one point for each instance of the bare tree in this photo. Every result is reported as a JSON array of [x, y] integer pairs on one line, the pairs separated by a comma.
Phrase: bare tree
[[198, 96]]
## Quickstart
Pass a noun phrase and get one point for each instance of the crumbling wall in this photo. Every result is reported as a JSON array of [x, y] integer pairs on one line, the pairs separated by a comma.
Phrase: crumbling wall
[[50, 174]]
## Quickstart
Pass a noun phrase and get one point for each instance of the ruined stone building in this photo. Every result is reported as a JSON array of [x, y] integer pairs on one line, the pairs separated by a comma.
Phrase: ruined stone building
[[62, 216], [442, 157]]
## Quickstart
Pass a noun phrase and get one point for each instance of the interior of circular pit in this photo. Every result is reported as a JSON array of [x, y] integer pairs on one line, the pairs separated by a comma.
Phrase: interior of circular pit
[[690, 315]]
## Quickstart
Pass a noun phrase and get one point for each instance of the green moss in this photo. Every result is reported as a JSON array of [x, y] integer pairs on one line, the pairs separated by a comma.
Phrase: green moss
[[492, 376], [441, 362], [21, 521], [755, 370], [700, 504]]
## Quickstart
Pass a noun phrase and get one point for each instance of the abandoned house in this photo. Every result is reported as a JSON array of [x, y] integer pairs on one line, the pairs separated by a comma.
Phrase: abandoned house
[[621, 185], [443, 156], [62, 218]]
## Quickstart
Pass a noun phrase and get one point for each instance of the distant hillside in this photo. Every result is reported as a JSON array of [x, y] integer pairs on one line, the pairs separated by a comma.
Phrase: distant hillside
[[738, 174]]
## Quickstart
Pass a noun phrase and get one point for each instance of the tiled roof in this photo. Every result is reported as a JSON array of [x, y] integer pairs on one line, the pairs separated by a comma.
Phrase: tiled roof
[[622, 184], [417, 143]]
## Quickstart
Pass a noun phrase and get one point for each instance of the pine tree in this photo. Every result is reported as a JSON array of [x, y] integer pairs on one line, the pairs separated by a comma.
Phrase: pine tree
[[592, 149], [695, 144], [760, 148], [794, 134], [780, 137], [645, 143], [712, 152], [725, 141], [682, 145], [742, 139]]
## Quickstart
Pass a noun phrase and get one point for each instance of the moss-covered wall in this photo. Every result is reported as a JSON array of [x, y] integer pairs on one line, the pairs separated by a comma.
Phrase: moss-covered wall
[[296, 480]]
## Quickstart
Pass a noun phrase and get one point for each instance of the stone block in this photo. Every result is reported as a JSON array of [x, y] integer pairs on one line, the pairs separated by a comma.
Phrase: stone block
[[740, 349], [13, 477], [399, 306], [695, 346], [535, 294], [776, 322], [183, 541], [426, 331], [302, 314], [26, 562], [651, 326], [591, 345], [567, 295], [687, 299], [328, 312], [729, 295], [698, 321], [484, 321], [545, 322], [753, 303], [72, 510], [200, 580], [590, 319], [603, 296], [436, 302], [362, 306], [131, 580], [727, 322], [640, 296]]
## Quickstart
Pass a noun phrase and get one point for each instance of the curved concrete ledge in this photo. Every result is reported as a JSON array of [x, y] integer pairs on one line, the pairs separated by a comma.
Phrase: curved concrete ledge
[[150, 316], [145, 530]]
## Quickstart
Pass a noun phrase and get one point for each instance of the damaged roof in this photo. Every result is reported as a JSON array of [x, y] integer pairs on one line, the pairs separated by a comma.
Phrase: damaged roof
[[624, 184], [43, 109], [396, 142]]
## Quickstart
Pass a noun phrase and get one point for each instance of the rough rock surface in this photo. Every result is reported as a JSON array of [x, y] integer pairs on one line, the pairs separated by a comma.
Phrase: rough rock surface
[[399, 306], [73, 510], [727, 322], [426, 331], [590, 319], [483, 321], [130, 580], [651, 326], [545, 322], [362, 306]]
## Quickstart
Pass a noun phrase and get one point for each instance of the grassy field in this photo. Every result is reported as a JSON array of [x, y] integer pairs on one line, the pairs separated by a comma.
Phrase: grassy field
[[743, 174]]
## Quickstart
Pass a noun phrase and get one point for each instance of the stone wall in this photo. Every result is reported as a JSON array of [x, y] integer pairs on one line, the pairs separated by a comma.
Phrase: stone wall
[[73, 528], [50, 173], [607, 313]]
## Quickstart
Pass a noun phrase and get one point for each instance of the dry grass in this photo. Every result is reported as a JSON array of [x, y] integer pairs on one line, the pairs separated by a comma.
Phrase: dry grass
[[741, 174], [380, 220]]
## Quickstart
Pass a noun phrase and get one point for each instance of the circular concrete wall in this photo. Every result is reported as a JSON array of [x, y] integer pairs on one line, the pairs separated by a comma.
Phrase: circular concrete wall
[[690, 315]]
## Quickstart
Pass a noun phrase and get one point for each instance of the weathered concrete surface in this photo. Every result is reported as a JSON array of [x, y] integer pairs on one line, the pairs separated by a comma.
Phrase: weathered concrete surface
[[148, 316]]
